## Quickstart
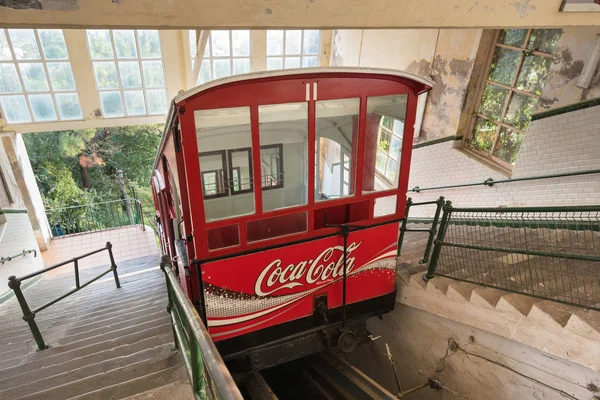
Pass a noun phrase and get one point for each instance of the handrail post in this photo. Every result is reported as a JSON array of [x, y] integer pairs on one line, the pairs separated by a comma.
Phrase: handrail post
[[433, 231], [76, 265], [164, 262], [15, 284], [113, 265], [404, 222], [447, 208]]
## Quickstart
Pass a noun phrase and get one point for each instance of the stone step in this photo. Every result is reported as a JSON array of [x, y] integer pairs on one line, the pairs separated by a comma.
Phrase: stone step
[[585, 323], [406, 271], [43, 359], [487, 297], [109, 378], [517, 303], [142, 384], [26, 375], [176, 390], [552, 311], [39, 383]]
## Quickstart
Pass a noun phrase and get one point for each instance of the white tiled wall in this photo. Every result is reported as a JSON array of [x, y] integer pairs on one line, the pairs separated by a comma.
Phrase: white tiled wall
[[128, 243], [17, 235], [563, 143]]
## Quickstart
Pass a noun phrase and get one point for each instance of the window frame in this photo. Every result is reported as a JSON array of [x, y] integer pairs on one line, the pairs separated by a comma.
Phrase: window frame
[[392, 134], [231, 168], [210, 58], [495, 162], [285, 56], [139, 59], [281, 178], [25, 93], [220, 176]]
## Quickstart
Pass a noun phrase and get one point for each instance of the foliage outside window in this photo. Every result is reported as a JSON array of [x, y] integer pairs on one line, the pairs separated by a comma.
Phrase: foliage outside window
[[517, 71], [226, 53], [129, 72], [389, 145], [36, 80], [292, 49]]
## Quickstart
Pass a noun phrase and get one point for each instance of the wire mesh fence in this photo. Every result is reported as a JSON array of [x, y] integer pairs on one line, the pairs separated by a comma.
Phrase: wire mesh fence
[[551, 253], [95, 217]]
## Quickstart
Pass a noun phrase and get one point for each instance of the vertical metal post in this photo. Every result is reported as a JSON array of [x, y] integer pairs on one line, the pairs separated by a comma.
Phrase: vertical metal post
[[404, 222], [345, 232], [447, 208], [113, 265], [433, 231], [164, 261], [15, 284], [125, 196], [76, 265]]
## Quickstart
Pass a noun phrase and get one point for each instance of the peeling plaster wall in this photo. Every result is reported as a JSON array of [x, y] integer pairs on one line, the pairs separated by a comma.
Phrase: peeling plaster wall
[[573, 49], [447, 56]]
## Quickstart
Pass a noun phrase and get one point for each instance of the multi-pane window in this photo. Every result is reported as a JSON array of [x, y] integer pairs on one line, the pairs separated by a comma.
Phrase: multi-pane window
[[226, 53], [389, 145], [292, 49], [129, 72], [36, 81], [517, 71]]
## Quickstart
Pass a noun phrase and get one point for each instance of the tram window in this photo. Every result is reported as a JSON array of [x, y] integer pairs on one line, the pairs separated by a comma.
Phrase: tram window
[[225, 144], [284, 154], [385, 206], [384, 132], [337, 124]]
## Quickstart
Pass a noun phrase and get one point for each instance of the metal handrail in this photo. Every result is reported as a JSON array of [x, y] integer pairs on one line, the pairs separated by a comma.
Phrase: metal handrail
[[432, 231], [492, 182], [208, 374], [29, 316], [21, 254]]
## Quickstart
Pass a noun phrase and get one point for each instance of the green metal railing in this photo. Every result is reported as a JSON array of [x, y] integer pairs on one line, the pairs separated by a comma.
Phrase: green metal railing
[[208, 374], [95, 217], [432, 231], [29, 316], [547, 252]]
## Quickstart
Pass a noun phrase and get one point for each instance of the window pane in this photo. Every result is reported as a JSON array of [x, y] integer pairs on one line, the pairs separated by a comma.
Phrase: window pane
[[274, 43], [24, 44], [53, 44], [508, 145], [533, 73], [100, 46], [222, 68], [61, 76], [310, 61], [134, 100], [292, 42], [274, 63], [519, 110], [220, 43], [513, 37], [130, 74], [34, 77], [149, 44], [492, 101], [284, 154], [504, 65], [4, 49], [157, 101], [382, 149], [241, 66], [241, 43], [106, 75], [68, 106], [15, 109], [292, 62], [9, 80], [484, 134], [42, 107], [204, 75], [311, 42], [544, 40], [385, 206], [336, 126], [112, 105], [153, 74], [125, 43], [232, 126]]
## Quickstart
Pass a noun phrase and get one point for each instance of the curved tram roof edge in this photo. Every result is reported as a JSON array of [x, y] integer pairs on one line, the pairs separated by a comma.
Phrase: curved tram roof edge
[[278, 73]]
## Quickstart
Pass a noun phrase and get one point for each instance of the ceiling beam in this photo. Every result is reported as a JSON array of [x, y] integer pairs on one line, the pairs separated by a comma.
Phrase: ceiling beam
[[260, 14]]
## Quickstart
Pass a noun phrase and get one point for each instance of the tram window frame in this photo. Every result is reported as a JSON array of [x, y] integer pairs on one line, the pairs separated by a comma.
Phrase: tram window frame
[[280, 172], [230, 166]]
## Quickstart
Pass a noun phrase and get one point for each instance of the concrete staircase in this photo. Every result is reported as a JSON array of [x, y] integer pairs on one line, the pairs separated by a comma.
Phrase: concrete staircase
[[107, 343], [569, 332]]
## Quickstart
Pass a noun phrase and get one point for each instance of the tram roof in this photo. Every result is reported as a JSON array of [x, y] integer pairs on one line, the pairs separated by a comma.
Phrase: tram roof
[[278, 73]]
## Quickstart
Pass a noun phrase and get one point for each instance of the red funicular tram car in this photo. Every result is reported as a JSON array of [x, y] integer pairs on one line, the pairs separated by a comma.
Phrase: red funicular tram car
[[266, 185]]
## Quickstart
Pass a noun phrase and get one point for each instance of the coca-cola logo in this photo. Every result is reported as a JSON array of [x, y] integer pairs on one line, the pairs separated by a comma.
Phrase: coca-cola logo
[[320, 270]]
